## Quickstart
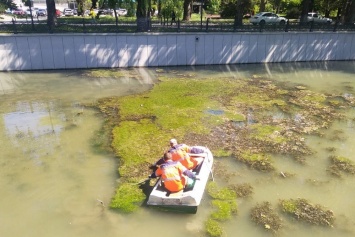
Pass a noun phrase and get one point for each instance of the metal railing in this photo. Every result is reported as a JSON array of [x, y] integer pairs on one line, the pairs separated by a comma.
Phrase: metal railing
[[86, 25]]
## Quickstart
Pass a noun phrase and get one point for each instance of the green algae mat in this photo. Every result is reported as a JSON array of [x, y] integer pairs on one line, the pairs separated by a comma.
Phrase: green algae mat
[[232, 116]]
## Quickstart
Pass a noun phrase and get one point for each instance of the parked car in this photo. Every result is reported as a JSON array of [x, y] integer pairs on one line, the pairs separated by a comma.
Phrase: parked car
[[42, 12], [58, 13], [263, 18], [19, 12], [8, 11], [68, 12], [105, 11], [34, 12], [316, 18], [121, 11]]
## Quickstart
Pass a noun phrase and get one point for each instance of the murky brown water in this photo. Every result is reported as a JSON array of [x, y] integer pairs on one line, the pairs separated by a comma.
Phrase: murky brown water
[[52, 181]]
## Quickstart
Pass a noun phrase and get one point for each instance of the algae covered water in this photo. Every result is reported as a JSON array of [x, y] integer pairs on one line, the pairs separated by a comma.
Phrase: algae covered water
[[54, 181]]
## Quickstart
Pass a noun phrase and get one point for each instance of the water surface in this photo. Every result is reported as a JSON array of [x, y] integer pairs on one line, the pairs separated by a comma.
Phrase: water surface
[[54, 183]]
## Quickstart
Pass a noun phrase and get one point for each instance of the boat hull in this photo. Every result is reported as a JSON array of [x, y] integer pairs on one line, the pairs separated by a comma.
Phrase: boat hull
[[186, 200]]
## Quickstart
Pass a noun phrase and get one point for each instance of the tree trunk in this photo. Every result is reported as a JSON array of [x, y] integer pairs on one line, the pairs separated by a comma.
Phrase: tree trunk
[[343, 10], [238, 21], [350, 13], [142, 16], [187, 10], [262, 5], [305, 9], [51, 17]]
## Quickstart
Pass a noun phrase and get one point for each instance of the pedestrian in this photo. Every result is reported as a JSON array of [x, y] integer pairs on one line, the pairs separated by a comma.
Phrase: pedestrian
[[93, 15], [173, 16]]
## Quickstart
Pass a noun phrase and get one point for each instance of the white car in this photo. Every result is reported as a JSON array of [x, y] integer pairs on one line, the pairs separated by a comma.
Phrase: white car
[[263, 18], [121, 11], [34, 12], [316, 18], [68, 12]]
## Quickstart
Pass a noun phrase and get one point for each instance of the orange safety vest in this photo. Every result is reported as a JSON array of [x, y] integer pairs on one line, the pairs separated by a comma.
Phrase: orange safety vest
[[172, 174], [183, 147], [182, 157]]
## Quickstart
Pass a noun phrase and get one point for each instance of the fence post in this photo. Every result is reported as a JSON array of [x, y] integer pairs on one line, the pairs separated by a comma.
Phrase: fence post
[[261, 27], [287, 26], [208, 20], [335, 26], [14, 23], [84, 27], [178, 25]]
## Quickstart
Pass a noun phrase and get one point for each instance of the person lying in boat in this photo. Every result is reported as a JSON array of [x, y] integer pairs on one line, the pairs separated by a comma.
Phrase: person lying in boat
[[188, 149], [180, 152], [173, 174]]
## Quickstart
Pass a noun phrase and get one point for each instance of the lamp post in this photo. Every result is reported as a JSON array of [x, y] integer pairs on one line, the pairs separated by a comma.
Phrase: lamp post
[[30, 6], [201, 11]]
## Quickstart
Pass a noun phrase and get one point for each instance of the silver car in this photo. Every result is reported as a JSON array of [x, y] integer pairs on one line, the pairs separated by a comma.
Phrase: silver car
[[68, 12], [263, 18], [316, 18]]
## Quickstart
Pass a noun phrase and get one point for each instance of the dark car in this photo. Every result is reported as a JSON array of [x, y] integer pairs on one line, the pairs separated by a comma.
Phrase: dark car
[[42, 12]]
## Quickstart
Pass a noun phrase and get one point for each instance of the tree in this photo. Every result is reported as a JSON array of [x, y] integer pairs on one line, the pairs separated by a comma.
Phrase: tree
[[5, 4], [347, 11], [112, 5], [215, 5], [241, 7], [262, 5], [142, 15], [51, 16], [82, 6], [305, 6], [187, 10]]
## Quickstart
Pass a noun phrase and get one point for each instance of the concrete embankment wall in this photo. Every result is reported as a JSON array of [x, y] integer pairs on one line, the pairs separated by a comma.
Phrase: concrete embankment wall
[[64, 51]]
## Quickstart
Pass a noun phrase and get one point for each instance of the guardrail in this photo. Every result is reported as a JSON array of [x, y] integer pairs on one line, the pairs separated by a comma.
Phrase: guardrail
[[85, 25]]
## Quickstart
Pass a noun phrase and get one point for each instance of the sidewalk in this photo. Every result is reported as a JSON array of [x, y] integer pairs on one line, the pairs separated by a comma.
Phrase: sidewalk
[[5, 18]]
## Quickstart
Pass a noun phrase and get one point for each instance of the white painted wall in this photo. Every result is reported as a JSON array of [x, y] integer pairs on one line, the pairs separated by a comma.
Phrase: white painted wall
[[64, 51]]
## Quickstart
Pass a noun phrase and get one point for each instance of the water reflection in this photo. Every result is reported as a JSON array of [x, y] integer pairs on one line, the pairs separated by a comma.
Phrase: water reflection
[[31, 119], [54, 184]]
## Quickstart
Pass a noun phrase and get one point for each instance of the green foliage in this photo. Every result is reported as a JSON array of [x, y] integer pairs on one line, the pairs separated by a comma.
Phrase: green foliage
[[303, 210], [135, 147], [215, 6], [258, 161], [289, 206], [267, 133], [225, 209], [3, 7], [293, 13], [222, 194], [106, 73], [213, 228], [341, 164], [228, 10], [5, 4], [264, 215], [127, 199], [225, 206], [170, 6]]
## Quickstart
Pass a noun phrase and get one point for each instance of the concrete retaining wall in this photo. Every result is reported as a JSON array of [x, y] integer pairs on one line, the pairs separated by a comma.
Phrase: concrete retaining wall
[[64, 51]]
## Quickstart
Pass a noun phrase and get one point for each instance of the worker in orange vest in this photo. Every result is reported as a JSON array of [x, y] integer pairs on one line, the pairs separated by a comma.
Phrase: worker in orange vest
[[180, 153], [174, 175]]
